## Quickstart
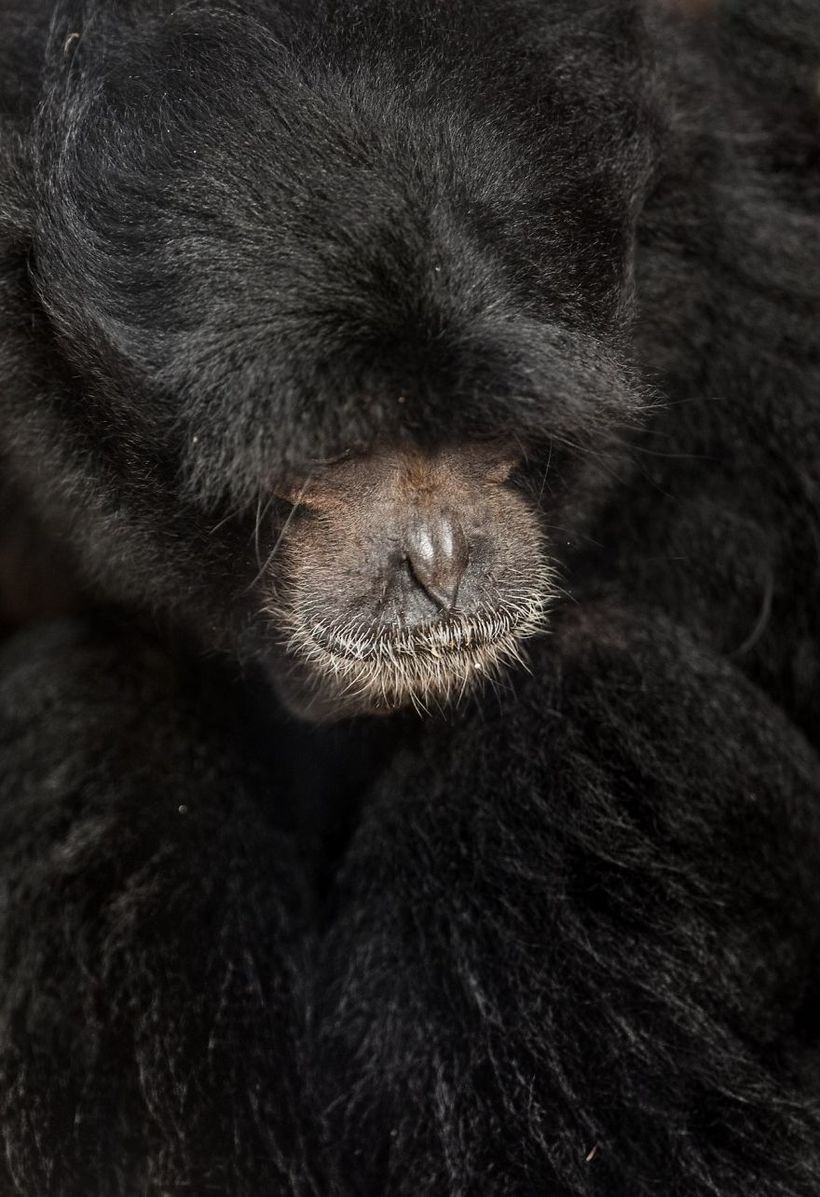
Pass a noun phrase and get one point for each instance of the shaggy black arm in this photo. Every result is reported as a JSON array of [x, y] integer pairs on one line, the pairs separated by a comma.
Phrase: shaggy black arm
[[577, 944], [151, 908]]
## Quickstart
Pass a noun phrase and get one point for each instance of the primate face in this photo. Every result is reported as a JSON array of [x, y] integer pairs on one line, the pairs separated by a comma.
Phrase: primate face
[[405, 577], [327, 313]]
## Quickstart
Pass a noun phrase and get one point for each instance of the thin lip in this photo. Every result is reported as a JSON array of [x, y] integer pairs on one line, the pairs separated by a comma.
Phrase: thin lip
[[450, 635]]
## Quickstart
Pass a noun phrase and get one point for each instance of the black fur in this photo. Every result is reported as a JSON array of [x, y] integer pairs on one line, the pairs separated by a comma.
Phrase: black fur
[[564, 940]]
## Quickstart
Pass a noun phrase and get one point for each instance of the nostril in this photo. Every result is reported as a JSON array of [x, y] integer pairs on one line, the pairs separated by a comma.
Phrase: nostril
[[437, 553]]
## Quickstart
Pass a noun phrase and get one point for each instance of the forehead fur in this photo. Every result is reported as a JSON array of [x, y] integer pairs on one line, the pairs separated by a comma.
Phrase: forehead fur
[[278, 246]]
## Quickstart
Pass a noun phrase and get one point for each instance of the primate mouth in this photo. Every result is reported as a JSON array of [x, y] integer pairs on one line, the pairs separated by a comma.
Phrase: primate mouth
[[341, 669], [447, 636], [407, 576]]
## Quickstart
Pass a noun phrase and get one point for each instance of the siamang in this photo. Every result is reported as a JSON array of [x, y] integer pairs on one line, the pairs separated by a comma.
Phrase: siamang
[[410, 419]]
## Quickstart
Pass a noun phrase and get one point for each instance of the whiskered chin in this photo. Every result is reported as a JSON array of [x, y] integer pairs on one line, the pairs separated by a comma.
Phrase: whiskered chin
[[331, 670]]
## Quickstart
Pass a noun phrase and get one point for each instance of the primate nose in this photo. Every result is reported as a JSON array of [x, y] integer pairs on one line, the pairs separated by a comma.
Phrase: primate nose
[[437, 554]]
